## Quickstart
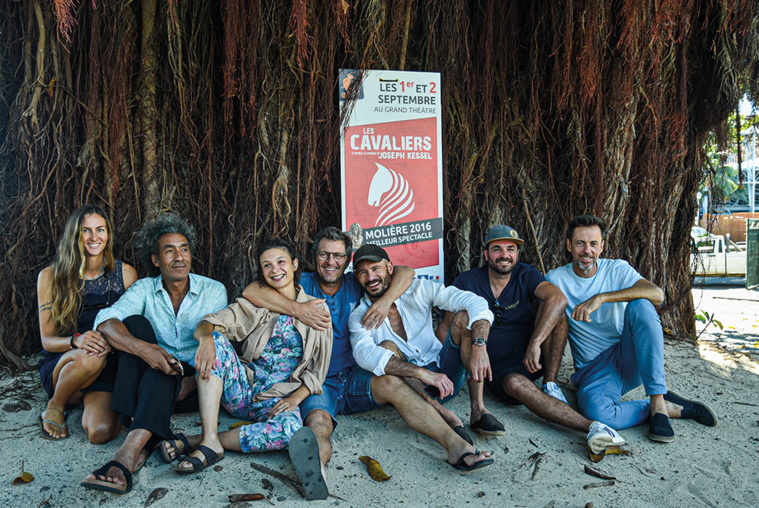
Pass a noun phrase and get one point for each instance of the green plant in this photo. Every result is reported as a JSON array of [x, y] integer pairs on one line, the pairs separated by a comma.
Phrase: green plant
[[708, 319]]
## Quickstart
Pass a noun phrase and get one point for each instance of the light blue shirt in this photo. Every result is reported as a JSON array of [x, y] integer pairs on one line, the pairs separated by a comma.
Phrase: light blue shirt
[[588, 340], [147, 297], [415, 308]]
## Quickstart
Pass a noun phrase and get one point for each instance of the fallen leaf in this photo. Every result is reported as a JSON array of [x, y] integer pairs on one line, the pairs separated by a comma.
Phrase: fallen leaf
[[24, 478], [239, 424], [375, 470], [612, 450], [234, 498], [598, 474], [156, 495]]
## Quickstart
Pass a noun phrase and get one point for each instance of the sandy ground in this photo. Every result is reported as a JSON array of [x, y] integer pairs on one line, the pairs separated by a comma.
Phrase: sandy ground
[[537, 464]]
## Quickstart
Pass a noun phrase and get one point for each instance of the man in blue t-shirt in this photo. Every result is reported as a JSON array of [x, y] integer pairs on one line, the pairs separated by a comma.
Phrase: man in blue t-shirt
[[520, 347], [616, 337], [348, 388]]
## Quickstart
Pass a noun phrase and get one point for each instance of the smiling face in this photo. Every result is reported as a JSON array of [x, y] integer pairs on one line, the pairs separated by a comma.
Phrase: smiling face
[[501, 256], [94, 235], [374, 276], [330, 270], [174, 259], [586, 246], [278, 270]]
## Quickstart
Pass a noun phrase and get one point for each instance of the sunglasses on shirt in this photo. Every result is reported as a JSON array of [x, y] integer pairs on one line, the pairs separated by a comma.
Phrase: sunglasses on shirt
[[496, 310]]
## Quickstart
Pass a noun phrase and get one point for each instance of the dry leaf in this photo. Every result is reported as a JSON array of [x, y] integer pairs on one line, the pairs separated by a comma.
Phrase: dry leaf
[[375, 470], [24, 478], [612, 450], [239, 424], [234, 498], [154, 496]]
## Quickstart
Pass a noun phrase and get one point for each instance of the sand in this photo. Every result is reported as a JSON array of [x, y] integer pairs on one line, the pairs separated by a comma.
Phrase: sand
[[537, 464]]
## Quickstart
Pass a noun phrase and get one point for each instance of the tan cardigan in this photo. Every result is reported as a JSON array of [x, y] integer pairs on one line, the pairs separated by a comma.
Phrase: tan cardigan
[[252, 326]]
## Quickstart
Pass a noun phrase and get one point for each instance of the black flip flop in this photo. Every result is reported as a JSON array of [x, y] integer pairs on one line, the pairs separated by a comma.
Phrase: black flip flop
[[463, 434], [177, 437], [210, 458], [461, 464], [95, 484]]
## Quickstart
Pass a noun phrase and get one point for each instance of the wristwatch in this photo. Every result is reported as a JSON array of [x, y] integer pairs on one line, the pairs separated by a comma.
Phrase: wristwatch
[[479, 341]]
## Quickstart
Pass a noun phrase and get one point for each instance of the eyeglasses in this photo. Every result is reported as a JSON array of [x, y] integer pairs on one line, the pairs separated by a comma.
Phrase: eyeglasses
[[338, 256], [496, 310]]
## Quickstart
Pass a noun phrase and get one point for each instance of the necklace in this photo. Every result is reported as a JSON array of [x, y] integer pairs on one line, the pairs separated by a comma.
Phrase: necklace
[[102, 268]]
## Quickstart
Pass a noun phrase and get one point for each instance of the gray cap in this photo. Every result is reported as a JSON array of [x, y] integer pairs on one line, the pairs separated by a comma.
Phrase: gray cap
[[371, 252], [503, 232]]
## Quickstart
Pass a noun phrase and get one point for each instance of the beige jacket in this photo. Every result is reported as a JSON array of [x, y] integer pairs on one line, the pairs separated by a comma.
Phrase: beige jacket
[[252, 326]]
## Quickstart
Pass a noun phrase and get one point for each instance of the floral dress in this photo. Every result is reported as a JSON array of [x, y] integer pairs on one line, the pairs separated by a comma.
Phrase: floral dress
[[282, 353]]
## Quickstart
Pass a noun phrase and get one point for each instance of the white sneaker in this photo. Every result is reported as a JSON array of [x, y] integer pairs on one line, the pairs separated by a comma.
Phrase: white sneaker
[[554, 391], [601, 437]]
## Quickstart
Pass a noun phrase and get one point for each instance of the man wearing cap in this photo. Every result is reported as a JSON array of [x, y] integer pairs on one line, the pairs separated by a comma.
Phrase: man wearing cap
[[406, 345], [520, 347], [616, 337]]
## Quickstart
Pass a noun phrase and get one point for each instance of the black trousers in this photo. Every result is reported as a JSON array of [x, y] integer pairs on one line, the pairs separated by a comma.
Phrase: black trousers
[[147, 395]]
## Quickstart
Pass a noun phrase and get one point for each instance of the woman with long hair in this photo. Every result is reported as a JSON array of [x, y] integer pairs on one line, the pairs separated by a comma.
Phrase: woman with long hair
[[281, 362], [76, 365]]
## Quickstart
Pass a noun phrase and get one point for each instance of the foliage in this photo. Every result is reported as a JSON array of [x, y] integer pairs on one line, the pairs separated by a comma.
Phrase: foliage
[[226, 113]]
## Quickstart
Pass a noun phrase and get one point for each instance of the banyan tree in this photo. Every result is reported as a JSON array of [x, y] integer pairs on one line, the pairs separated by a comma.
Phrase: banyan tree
[[227, 112]]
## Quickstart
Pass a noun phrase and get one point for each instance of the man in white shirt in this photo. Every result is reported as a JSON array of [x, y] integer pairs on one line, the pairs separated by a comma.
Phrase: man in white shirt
[[405, 344]]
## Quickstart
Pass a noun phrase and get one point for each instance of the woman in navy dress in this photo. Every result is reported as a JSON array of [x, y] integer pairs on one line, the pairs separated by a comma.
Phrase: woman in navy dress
[[76, 365]]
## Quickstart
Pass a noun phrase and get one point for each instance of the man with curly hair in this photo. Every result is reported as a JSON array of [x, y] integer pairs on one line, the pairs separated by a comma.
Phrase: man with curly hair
[[152, 328]]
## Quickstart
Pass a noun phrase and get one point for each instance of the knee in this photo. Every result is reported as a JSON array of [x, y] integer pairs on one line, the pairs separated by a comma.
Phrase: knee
[[387, 384], [90, 364], [101, 432], [640, 308], [140, 327], [392, 346], [459, 326], [515, 384], [319, 421]]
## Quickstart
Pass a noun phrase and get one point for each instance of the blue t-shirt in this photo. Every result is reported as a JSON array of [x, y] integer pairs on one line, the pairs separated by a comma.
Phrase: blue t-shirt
[[341, 304], [514, 306], [588, 340]]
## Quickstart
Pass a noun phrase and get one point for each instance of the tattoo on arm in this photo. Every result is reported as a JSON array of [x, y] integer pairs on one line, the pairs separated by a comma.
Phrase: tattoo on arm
[[46, 306]]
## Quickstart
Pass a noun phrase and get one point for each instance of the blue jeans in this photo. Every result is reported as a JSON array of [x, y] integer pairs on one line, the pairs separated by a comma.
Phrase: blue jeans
[[346, 392], [637, 359], [449, 363]]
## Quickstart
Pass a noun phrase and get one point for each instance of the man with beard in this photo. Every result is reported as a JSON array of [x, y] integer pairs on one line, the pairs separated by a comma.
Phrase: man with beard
[[406, 345], [616, 337], [520, 347]]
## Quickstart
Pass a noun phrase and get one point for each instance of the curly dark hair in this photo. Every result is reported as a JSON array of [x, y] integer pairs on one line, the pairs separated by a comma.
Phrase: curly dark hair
[[146, 240]]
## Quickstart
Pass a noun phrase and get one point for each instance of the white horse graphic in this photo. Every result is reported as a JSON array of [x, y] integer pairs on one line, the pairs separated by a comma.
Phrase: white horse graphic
[[392, 194]]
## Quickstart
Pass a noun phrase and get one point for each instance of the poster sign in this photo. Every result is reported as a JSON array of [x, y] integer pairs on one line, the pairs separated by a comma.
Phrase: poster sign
[[391, 157]]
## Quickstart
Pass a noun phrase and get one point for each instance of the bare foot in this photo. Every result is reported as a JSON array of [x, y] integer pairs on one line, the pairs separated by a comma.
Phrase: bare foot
[[55, 414], [130, 460]]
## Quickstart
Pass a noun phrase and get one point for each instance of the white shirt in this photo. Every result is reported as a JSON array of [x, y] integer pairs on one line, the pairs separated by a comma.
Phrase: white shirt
[[415, 309]]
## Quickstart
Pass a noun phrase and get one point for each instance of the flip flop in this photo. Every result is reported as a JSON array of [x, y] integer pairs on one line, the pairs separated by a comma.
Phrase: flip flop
[[463, 434], [95, 484], [461, 464], [177, 437], [304, 454], [46, 435], [488, 425], [210, 458]]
